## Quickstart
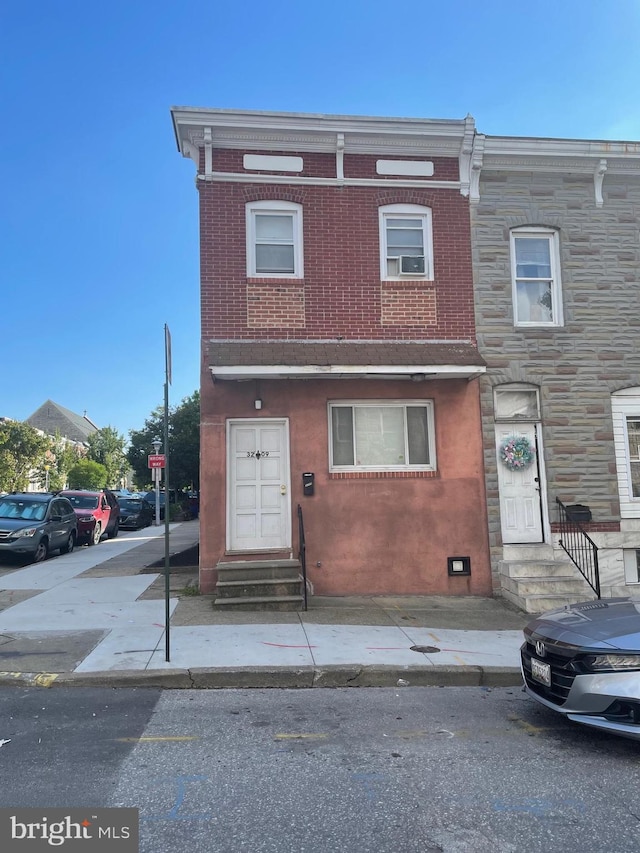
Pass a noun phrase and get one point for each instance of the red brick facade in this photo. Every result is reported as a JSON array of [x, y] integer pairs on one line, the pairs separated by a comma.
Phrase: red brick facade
[[368, 531], [341, 294]]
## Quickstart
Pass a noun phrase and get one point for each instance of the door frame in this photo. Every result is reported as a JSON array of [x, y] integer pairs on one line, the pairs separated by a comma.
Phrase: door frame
[[286, 455]]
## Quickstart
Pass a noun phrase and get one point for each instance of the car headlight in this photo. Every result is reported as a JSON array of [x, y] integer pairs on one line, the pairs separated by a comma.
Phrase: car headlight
[[611, 663], [26, 531]]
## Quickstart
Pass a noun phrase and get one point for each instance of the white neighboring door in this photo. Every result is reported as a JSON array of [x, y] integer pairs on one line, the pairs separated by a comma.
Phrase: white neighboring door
[[520, 508], [259, 513]]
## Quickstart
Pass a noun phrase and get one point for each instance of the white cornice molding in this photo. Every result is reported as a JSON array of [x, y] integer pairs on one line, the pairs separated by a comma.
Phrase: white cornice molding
[[208, 129], [325, 143], [598, 178], [387, 183], [466, 152]]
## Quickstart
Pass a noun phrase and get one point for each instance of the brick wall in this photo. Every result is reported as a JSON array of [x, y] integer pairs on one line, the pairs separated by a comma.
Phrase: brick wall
[[342, 294]]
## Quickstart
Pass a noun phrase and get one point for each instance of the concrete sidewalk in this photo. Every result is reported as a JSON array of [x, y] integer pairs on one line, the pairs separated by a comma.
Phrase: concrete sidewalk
[[97, 617]]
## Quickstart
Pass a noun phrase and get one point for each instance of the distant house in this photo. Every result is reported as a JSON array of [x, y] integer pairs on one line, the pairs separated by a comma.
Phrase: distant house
[[52, 419]]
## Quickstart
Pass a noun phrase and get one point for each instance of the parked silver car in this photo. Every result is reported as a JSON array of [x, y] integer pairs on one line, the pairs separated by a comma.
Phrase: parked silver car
[[32, 524], [584, 662]]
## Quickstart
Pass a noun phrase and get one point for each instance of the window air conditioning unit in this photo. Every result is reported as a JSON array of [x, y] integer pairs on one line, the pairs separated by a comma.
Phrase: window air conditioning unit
[[412, 264]]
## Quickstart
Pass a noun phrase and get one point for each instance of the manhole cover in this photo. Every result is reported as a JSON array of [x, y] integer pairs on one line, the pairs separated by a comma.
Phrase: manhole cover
[[427, 650]]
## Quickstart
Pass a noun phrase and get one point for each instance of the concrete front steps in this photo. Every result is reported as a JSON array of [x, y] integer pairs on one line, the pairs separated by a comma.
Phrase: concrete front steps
[[259, 585], [535, 582]]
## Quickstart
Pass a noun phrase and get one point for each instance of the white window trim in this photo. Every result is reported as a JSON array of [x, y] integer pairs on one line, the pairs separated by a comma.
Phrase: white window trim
[[427, 404], [267, 206], [409, 210], [625, 404], [516, 386], [556, 283]]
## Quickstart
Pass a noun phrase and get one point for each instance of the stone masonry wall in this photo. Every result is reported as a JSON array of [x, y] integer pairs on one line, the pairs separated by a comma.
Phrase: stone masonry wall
[[579, 365]]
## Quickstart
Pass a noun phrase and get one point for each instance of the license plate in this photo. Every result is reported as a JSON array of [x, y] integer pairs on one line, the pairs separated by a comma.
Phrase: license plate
[[541, 672]]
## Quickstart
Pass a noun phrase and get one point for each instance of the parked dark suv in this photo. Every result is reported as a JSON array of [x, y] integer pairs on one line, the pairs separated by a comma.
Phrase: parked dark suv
[[32, 524], [98, 512]]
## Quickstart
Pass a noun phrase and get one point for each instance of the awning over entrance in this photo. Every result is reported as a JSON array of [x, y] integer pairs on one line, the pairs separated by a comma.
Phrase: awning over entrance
[[344, 360]]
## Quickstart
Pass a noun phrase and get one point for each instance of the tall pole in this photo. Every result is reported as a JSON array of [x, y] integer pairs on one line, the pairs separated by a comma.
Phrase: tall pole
[[167, 501]]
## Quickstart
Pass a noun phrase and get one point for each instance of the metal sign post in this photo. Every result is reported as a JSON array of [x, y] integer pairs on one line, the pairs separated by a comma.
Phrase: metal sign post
[[167, 501]]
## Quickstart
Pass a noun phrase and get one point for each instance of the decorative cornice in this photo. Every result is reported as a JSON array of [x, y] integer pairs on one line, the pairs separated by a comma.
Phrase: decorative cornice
[[198, 129], [205, 129], [387, 183]]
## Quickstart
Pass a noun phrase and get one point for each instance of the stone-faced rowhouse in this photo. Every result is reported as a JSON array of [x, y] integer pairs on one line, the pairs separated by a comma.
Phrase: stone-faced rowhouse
[[556, 247]]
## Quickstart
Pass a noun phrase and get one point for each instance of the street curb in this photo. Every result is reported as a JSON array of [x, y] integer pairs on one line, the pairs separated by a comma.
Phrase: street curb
[[241, 678]]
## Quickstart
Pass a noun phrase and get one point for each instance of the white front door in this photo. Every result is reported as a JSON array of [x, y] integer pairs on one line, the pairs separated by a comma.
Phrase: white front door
[[520, 507], [259, 510]]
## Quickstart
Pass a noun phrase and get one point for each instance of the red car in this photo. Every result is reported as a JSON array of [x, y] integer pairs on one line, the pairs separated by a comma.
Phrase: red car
[[98, 513]]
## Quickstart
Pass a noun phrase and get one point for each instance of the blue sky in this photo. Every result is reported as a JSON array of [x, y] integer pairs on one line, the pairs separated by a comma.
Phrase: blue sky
[[99, 227]]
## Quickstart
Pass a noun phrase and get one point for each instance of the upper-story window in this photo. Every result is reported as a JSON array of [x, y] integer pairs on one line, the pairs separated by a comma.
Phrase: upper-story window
[[274, 239], [405, 242], [535, 268]]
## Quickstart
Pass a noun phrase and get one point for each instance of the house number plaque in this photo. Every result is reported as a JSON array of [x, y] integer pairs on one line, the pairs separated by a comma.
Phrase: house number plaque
[[256, 454]]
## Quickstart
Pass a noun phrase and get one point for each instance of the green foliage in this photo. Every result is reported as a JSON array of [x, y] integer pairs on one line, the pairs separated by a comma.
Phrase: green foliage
[[21, 449], [106, 446], [87, 474], [184, 444], [52, 469]]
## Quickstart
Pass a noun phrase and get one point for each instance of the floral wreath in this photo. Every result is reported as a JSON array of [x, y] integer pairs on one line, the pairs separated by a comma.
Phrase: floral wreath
[[516, 453]]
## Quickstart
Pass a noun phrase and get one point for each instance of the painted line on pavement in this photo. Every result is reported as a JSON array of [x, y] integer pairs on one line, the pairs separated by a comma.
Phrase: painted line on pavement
[[40, 679]]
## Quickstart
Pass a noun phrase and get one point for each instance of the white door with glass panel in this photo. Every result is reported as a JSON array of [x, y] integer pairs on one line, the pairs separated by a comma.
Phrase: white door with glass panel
[[520, 489], [259, 511]]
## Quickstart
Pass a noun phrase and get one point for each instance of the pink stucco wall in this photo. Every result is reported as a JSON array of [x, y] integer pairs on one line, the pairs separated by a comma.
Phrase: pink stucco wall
[[370, 535]]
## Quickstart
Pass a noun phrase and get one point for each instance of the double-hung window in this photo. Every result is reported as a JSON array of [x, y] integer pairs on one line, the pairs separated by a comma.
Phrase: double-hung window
[[625, 413], [535, 267], [274, 239], [405, 241], [633, 450], [382, 435]]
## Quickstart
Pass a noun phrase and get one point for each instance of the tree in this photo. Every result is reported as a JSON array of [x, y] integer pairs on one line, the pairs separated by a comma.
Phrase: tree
[[87, 474], [184, 444], [106, 446], [21, 449], [53, 468]]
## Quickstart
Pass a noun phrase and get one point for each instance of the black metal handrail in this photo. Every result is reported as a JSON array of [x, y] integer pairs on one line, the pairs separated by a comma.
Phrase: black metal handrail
[[581, 549], [302, 553]]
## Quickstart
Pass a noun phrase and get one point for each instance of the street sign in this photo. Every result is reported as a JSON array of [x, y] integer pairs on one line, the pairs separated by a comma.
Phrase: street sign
[[157, 460]]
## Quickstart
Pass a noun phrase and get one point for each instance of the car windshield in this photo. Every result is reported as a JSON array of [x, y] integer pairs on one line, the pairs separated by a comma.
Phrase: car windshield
[[130, 505], [24, 509], [83, 501]]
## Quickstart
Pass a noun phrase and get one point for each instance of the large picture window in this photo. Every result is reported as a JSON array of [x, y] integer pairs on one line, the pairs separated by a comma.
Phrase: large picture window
[[274, 239], [382, 436], [535, 265]]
